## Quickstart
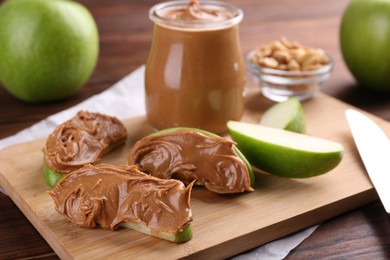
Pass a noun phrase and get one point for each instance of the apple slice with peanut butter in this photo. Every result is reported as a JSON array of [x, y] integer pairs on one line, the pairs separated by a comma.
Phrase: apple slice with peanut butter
[[110, 197], [190, 154], [81, 140]]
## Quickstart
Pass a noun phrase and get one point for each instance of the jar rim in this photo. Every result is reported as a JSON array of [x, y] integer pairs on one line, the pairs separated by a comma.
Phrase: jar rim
[[156, 17]]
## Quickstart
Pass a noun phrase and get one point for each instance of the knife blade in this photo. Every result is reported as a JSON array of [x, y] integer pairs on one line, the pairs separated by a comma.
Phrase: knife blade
[[374, 149]]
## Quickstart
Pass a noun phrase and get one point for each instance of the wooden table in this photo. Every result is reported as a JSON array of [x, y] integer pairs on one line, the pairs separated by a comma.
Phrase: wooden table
[[125, 36]]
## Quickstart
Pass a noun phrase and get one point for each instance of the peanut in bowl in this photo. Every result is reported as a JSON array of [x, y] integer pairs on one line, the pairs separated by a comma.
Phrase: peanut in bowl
[[283, 69]]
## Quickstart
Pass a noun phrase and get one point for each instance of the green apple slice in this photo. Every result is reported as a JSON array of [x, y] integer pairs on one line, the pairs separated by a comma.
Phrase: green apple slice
[[51, 177], [181, 236], [239, 153], [284, 153], [287, 115]]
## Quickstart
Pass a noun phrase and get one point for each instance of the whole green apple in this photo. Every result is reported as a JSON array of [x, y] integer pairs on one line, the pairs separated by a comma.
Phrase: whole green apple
[[48, 48], [365, 42]]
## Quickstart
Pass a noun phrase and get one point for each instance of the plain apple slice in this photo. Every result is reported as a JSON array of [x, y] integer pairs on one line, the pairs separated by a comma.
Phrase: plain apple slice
[[284, 153], [287, 115]]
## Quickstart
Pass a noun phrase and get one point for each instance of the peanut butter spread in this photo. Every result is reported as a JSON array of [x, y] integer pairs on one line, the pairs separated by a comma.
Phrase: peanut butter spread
[[190, 155], [106, 196], [82, 140], [195, 12]]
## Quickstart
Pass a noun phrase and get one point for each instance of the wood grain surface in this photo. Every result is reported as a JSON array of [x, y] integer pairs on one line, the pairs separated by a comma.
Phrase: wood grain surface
[[223, 225], [125, 35]]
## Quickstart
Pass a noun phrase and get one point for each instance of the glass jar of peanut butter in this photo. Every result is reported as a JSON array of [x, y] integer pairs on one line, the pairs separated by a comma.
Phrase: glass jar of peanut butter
[[195, 73]]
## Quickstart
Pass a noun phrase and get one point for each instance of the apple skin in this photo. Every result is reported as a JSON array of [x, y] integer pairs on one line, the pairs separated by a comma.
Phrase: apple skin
[[270, 150], [365, 43], [48, 49]]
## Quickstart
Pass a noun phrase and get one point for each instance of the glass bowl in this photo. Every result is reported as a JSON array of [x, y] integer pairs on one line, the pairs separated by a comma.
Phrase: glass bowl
[[279, 85]]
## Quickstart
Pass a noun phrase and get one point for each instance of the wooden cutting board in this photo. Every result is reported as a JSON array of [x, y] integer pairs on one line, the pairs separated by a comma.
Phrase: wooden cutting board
[[223, 225]]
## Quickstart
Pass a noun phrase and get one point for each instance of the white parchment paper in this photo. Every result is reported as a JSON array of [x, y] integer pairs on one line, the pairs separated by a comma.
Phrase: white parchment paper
[[127, 99]]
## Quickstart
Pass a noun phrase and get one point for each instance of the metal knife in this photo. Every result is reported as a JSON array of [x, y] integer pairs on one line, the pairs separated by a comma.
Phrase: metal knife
[[374, 148]]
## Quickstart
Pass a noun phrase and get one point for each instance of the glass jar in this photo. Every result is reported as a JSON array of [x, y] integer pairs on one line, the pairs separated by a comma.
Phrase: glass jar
[[195, 72]]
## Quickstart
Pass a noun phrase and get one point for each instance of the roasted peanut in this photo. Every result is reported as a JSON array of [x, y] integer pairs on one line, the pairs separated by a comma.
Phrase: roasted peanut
[[291, 56]]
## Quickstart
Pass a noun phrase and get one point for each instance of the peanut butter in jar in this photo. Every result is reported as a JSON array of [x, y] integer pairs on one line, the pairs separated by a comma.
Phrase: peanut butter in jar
[[195, 73]]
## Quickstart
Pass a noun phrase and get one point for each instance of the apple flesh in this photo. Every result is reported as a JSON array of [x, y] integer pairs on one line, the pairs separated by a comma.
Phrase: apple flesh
[[48, 49], [179, 237], [287, 115]]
